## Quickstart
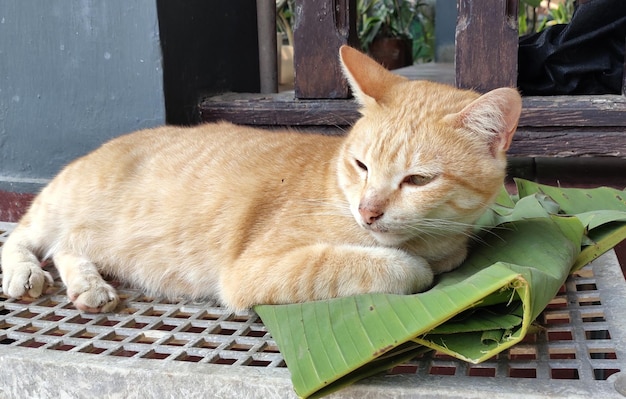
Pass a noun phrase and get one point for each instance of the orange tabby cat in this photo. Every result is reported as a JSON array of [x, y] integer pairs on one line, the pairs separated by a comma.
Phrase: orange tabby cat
[[250, 216]]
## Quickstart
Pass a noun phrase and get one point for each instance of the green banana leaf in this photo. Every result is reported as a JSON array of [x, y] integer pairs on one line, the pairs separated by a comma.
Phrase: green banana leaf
[[602, 210], [525, 250]]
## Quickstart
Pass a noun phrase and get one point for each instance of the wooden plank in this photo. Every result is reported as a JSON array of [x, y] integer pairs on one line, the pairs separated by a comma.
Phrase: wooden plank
[[588, 126], [600, 110], [284, 109], [567, 143], [278, 110], [486, 44], [322, 26]]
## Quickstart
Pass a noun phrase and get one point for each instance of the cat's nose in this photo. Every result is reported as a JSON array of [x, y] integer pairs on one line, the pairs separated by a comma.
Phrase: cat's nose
[[370, 215]]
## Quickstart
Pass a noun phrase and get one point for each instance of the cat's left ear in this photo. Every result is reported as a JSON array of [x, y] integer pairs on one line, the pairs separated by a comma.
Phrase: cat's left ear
[[494, 115]]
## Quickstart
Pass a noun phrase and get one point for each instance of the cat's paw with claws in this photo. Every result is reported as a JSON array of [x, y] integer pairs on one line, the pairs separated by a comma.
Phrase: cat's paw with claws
[[91, 294], [25, 278]]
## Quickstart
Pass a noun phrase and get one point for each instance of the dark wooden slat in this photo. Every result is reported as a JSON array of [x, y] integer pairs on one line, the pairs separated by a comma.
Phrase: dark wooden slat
[[563, 143], [549, 126], [278, 110], [283, 109], [605, 110], [322, 27], [486, 44]]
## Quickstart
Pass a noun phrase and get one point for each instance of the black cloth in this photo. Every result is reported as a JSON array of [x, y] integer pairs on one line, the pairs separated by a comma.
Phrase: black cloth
[[585, 56]]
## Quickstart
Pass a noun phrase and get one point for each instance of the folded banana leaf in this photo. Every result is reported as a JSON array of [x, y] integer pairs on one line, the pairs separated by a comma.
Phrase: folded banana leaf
[[524, 251]]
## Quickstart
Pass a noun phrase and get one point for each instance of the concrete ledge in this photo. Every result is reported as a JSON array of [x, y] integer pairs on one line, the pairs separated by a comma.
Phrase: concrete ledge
[[44, 374], [33, 373]]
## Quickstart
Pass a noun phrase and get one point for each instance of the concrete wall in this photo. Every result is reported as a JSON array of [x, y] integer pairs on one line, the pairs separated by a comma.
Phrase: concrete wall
[[445, 30], [73, 74]]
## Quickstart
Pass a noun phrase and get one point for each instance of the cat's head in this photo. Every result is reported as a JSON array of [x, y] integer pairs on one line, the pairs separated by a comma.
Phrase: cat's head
[[422, 153]]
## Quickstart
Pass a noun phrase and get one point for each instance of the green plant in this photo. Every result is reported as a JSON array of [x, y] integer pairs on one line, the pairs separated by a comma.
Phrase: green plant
[[532, 18], [560, 15], [527, 16], [397, 18], [284, 18]]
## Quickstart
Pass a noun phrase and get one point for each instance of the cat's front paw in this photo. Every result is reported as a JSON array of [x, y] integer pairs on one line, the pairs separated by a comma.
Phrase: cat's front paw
[[402, 273], [25, 278], [93, 295]]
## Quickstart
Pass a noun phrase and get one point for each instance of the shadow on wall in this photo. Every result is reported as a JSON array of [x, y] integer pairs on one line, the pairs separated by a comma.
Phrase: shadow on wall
[[209, 47]]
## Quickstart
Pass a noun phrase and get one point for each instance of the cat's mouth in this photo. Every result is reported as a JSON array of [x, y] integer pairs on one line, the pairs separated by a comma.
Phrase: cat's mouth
[[387, 238], [376, 228], [384, 235]]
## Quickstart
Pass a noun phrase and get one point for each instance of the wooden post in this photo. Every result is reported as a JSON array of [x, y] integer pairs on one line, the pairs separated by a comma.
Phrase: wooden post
[[486, 44], [268, 59], [321, 27]]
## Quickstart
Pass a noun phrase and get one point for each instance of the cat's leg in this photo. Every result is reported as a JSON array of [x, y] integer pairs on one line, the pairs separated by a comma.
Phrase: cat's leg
[[85, 287], [323, 271], [452, 260], [21, 269]]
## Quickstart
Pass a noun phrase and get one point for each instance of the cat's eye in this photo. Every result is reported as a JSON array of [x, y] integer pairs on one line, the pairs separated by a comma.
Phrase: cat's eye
[[361, 165], [418, 180]]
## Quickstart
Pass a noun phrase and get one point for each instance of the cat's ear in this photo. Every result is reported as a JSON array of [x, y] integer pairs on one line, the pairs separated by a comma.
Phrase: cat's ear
[[493, 115], [368, 79]]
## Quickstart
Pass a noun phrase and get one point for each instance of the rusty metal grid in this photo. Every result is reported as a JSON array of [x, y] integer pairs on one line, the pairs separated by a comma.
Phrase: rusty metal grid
[[578, 339]]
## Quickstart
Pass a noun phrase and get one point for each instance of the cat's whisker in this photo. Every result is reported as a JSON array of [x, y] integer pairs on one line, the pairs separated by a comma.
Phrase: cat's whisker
[[493, 231], [343, 128], [316, 214], [443, 227]]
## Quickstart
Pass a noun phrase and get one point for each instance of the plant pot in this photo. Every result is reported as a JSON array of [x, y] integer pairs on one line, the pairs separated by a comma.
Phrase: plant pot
[[392, 52]]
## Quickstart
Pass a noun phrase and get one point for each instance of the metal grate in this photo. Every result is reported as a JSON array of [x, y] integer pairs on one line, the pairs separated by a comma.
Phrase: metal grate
[[583, 337], [575, 343], [145, 328]]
